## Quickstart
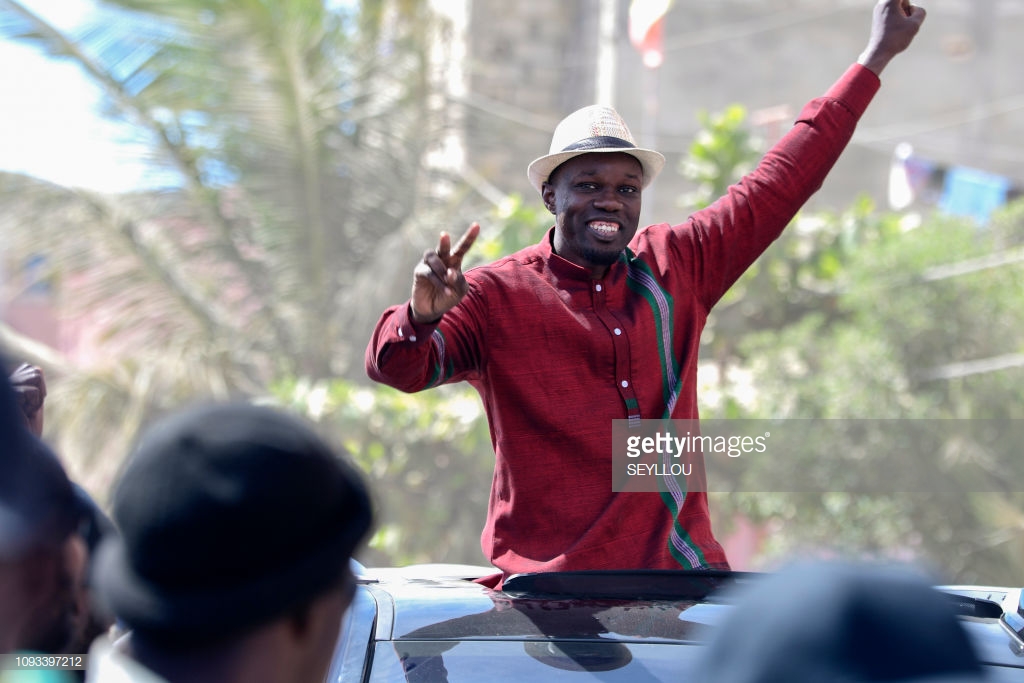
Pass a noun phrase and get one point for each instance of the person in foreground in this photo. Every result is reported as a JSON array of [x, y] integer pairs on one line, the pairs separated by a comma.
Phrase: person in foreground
[[601, 321], [839, 621], [42, 558], [72, 620], [237, 528]]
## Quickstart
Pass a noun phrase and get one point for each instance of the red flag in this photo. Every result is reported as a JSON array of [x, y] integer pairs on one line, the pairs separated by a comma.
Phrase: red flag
[[645, 29]]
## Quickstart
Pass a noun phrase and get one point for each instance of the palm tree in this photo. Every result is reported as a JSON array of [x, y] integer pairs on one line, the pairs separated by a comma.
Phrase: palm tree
[[292, 134]]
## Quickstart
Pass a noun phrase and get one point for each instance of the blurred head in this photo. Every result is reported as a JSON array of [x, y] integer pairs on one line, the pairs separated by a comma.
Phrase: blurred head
[[38, 555], [232, 517], [57, 622], [841, 622]]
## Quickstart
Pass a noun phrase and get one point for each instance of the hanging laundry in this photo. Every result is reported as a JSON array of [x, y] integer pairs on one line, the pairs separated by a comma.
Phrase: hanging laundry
[[973, 193]]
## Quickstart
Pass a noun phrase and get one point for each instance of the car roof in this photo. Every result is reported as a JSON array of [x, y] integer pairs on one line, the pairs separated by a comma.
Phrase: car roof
[[435, 602], [442, 602]]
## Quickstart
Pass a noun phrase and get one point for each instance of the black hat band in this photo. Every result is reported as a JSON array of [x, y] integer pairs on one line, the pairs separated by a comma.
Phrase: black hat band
[[599, 142]]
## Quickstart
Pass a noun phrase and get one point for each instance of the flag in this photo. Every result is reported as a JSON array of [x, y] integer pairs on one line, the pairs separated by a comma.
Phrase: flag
[[645, 29]]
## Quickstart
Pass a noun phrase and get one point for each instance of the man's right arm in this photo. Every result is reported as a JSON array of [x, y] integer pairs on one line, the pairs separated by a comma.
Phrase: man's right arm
[[411, 349], [402, 352], [437, 282]]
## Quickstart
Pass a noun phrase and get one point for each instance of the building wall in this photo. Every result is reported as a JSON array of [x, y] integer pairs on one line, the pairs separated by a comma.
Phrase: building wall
[[956, 96], [528, 63]]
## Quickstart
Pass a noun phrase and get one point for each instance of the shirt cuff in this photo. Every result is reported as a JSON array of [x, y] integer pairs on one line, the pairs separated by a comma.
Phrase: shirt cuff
[[855, 89], [408, 329]]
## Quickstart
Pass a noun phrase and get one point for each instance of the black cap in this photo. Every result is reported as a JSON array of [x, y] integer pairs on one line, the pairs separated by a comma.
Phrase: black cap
[[230, 516], [841, 622]]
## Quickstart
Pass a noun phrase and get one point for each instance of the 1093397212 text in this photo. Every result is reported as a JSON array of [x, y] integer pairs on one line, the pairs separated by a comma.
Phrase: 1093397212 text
[[32, 661]]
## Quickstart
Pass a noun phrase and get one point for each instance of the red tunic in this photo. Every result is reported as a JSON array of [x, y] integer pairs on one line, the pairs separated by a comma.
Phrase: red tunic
[[557, 355]]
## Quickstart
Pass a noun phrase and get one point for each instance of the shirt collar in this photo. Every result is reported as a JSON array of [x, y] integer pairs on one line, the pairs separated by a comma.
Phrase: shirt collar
[[563, 269]]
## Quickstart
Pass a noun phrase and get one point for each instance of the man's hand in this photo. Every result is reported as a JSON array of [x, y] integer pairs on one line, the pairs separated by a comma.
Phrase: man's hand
[[893, 28], [30, 389], [438, 283]]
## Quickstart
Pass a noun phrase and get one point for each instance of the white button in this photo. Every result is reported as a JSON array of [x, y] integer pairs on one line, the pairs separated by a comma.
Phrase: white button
[[597, 287], [400, 333], [625, 384], [412, 337], [617, 331]]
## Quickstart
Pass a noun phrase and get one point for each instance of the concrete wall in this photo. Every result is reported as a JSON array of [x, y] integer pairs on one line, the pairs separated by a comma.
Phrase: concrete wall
[[957, 96]]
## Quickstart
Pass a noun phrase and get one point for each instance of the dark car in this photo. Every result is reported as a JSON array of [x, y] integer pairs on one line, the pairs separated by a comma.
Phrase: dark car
[[433, 623]]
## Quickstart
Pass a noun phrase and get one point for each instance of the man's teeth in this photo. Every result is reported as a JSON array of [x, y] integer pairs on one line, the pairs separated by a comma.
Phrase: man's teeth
[[604, 228]]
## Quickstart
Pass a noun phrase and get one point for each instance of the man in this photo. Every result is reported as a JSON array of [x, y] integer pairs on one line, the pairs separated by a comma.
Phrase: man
[[54, 568], [601, 322], [70, 622], [42, 559], [237, 525]]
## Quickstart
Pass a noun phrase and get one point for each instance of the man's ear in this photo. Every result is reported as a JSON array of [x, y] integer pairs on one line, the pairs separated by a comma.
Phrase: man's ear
[[324, 608], [547, 193]]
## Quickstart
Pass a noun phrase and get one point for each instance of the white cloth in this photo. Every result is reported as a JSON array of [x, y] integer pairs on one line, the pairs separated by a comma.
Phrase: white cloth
[[108, 663]]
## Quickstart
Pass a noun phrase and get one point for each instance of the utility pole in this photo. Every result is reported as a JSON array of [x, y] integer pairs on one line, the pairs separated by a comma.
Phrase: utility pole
[[982, 26], [607, 53]]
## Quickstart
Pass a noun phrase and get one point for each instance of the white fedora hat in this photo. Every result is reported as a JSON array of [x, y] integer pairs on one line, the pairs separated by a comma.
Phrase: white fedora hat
[[597, 128]]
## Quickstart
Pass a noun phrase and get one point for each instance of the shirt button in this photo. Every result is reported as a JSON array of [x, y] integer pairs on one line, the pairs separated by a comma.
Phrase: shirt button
[[597, 287], [625, 384], [617, 331], [400, 333], [412, 337]]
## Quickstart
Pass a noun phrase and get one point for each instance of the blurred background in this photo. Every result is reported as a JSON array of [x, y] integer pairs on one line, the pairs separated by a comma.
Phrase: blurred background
[[217, 198]]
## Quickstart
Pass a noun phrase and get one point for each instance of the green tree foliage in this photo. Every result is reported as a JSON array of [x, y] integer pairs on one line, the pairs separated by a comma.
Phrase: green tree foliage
[[513, 225], [721, 152], [900, 343], [428, 457], [289, 139], [292, 138], [873, 315]]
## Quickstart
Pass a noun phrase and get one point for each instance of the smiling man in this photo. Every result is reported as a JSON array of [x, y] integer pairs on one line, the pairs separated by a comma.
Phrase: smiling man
[[601, 321], [597, 198]]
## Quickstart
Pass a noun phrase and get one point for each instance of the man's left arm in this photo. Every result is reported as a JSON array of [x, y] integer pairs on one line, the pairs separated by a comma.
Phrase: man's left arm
[[893, 27], [731, 233]]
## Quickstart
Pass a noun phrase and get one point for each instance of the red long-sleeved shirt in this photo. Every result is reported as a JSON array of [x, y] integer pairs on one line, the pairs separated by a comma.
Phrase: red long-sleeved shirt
[[557, 355]]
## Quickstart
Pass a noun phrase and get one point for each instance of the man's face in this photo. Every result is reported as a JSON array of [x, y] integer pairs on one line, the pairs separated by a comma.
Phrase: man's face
[[318, 638], [61, 609], [596, 202]]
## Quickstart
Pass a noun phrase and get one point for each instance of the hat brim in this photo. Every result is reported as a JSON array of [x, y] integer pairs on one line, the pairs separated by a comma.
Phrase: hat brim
[[191, 614], [540, 169]]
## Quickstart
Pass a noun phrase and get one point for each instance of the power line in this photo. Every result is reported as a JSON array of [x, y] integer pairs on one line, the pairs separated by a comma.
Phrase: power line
[[980, 366], [936, 149], [950, 119], [975, 265], [506, 112]]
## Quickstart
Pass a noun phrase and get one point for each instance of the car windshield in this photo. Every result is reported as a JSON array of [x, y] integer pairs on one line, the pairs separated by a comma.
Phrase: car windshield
[[547, 660]]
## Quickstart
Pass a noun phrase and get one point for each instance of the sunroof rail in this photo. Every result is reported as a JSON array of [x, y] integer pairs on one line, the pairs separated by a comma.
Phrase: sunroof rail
[[648, 584]]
